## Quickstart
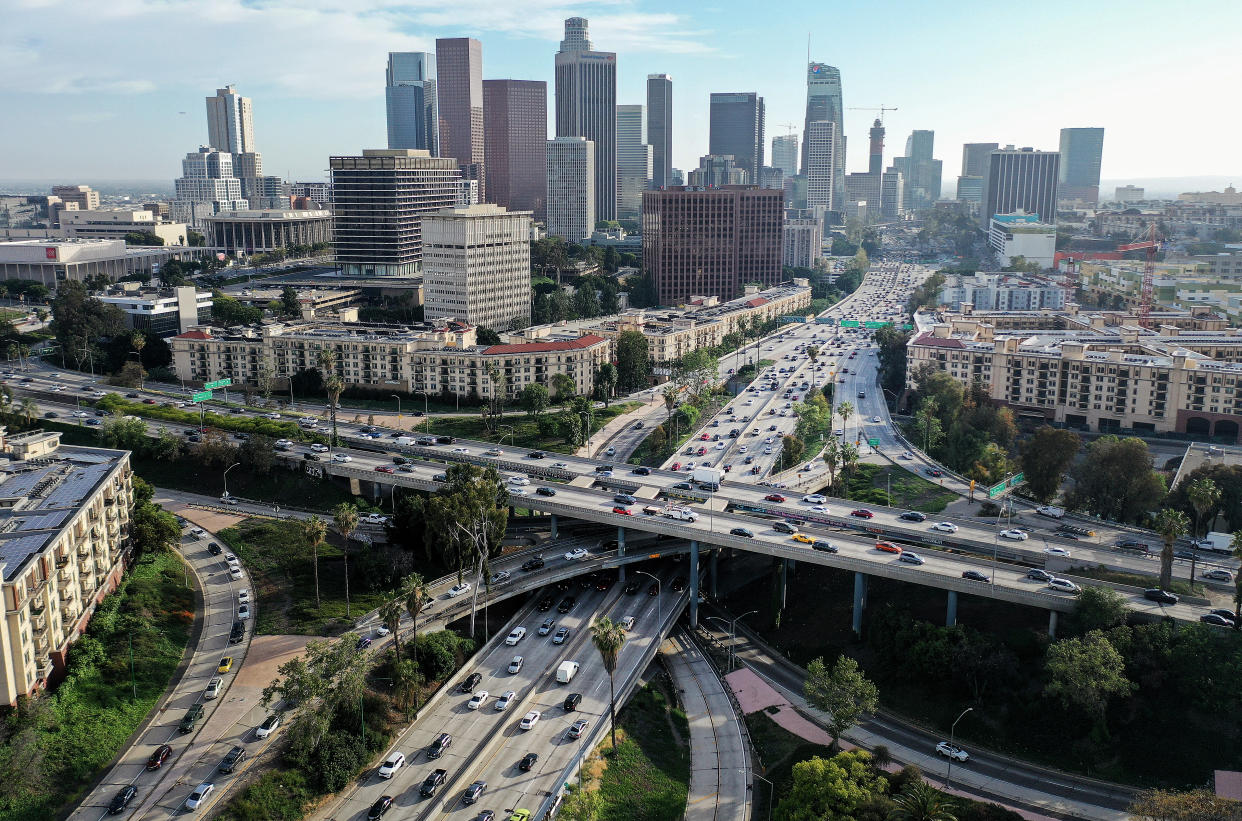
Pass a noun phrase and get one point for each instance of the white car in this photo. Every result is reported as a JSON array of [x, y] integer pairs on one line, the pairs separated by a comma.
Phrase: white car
[[494, 452], [945, 527], [199, 797], [283, 443], [81, 414], [519, 480], [576, 553], [720, 446], [627, 623], [342, 457], [1057, 551], [243, 597], [457, 589], [1015, 534], [382, 631], [814, 498], [390, 766], [213, 688], [559, 465], [820, 508], [479, 699], [318, 448], [517, 635], [952, 751], [515, 666], [1062, 585], [518, 491], [228, 500], [875, 420], [235, 571], [530, 720], [505, 700], [461, 450], [275, 417], [243, 611], [839, 432]]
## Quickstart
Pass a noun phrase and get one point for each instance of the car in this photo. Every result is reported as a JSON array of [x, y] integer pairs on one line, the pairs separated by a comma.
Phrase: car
[[913, 516], [493, 452], [121, 800], [561, 635], [1218, 574], [1131, 543], [545, 604], [814, 498], [1160, 596], [225, 665], [473, 792], [678, 584], [158, 757], [578, 728], [232, 759], [342, 457], [952, 751], [505, 700], [1062, 585], [478, 699], [443, 742], [545, 491], [774, 497], [875, 420], [566, 605], [268, 726], [803, 538], [887, 547], [533, 564], [975, 576], [1216, 619], [743, 532], [382, 805], [1039, 575], [934, 472], [653, 589], [1057, 551], [213, 688], [945, 527], [910, 557], [576, 553], [538, 454], [200, 795], [572, 701], [458, 589], [515, 636], [520, 815], [431, 782], [213, 549], [528, 762], [519, 480], [825, 546], [547, 626], [530, 720], [385, 469], [319, 448], [622, 511], [243, 611], [1015, 534], [862, 513]]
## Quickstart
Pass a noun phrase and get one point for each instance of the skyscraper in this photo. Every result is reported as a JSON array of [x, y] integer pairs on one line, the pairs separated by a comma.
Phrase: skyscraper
[[410, 99], [586, 106], [921, 172], [736, 129], [1021, 180], [716, 170], [1081, 151], [459, 73], [974, 168], [477, 266], [571, 188], [515, 134], [660, 128], [207, 186], [819, 164], [875, 164], [230, 123], [892, 194], [823, 102], [785, 153], [633, 161]]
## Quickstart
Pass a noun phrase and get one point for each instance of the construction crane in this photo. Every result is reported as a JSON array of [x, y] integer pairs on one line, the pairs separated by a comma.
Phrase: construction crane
[[790, 127], [1151, 245], [1069, 283], [880, 108]]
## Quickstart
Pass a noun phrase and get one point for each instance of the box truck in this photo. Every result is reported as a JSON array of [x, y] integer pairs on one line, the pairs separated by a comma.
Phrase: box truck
[[565, 673]]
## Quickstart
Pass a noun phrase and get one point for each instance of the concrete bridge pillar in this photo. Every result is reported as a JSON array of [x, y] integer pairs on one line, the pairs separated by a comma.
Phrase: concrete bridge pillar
[[621, 553], [950, 616], [860, 600], [694, 585], [1052, 624], [715, 557], [782, 579], [553, 525]]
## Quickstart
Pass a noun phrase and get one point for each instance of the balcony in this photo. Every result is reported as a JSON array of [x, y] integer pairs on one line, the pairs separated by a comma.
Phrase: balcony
[[85, 567], [66, 594], [38, 623], [64, 576], [84, 549], [93, 515], [41, 645], [62, 561]]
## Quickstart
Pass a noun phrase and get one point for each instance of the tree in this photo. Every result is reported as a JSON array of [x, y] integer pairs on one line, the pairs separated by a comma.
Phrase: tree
[[228, 311], [608, 639], [124, 434], [289, 304], [1099, 608], [390, 616], [406, 678], [1236, 544], [920, 801], [1116, 481], [413, 596], [154, 529], [466, 517], [831, 789], [1195, 805], [605, 382], [1085, 673], [845, 410], [345, 518], [586, 301], [486, 336], [332, 383], [844, 693], [314, 531], [258, 454], [534, 399], [1171, 525], [564, 386], [1204, 495], [633, 366], [1045, 457]]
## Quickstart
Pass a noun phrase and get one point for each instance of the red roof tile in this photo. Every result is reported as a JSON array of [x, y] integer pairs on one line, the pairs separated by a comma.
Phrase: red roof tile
[[194, 335], [585, 341], [933, 341], [756, 302]]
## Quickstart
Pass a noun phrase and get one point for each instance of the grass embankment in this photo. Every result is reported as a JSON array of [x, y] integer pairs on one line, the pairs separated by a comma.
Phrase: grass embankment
[[56, 746], [518, 429], [282, 569], [113, 403], [647, 776], [1180, 586], [871, 483], [646, 454]]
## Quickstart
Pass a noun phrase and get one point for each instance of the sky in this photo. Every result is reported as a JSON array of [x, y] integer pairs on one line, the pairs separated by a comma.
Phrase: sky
[[115, 89]]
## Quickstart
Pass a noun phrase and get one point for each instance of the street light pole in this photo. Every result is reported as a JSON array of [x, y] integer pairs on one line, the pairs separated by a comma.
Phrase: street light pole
[[398, 398], [226, 478], [771, 788], [659, 599], [952, 737]]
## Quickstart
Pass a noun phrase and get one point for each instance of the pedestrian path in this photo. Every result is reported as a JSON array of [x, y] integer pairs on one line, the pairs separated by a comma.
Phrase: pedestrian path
[[719, 757]]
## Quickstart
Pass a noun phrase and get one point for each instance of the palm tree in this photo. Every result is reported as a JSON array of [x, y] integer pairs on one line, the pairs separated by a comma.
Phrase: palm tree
[[1171, 524], [845, 410], [670, 402], [405, 678], [332, 383], [390, 616], [1203, 494], [314, 531], [413, 594], [849, 460], [920, 801], [832, 458], [812, 353], [29, 409], [1237, 590], [608, 639], [345, 517]]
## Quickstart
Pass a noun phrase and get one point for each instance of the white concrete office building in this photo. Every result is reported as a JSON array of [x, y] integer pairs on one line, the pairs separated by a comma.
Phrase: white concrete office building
[[822, 143], [1022, 235], [571, 188], [803, 242], [476, 266]]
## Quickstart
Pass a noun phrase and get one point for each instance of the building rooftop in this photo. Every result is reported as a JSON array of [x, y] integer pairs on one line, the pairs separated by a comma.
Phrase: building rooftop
[[584, 341]]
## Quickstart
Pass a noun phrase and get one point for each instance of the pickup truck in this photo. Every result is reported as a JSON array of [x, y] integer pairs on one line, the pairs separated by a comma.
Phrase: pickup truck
[[431, 782], [682, 514]]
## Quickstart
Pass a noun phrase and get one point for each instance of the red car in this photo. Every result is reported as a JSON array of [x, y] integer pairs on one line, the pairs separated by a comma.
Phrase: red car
[[774, 497], [862, 513], [624, 511], [702, 451], [158, 757], [705, 437], [887, 547], [148, 401], [676, 466], [385, 469]]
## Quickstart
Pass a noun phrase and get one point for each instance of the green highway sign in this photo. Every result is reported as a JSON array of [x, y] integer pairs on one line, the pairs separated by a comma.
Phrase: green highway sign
[[1006, 484], [907, 327], [201, 396], [875, 443], [219, 383], [874, 325], [849, 323]]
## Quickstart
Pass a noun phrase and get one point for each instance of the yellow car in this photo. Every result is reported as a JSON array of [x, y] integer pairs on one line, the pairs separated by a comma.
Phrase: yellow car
[[802, 537], [226, 664], [520, 815]]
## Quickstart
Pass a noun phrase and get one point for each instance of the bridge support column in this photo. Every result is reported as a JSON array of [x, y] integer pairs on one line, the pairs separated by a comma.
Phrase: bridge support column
[[1052, 624], [553, 525], [694, 585], [950, 616], [782, 579], [860, 600], [621, 553], [715, 556]]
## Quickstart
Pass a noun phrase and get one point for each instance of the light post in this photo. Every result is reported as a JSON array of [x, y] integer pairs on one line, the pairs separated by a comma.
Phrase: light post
[[952, 736], [732, 632], [659, 599], [771, 788], [226, 478], [398, 398], [424, 393]]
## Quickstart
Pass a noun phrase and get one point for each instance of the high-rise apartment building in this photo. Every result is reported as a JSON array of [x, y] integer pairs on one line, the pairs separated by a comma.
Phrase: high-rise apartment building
[[378, 202], [864, 188], [206, 186], [230, 122], [715, 170], [411, 101], [476, 266], [571, 188], [1079, 175], [1021, 181], [736, 129], [515, 132], [819, 164], [785, 153], [586, 106], [711, 242], [634, 161], [892, 194], [975, 158], [823, 102], [83, 197], [803, 240], [921, 171], [875, 159], [660, 128], [1129, 193], [459, 76]]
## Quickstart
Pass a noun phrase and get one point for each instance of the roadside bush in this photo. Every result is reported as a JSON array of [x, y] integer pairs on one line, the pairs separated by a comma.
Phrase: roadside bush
[[113, 403], [442, 652], [335, 761], [276, 796]]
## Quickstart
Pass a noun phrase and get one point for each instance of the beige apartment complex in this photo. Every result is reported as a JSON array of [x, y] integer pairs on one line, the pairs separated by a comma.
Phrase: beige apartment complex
[[1184, 377], [65, 527]]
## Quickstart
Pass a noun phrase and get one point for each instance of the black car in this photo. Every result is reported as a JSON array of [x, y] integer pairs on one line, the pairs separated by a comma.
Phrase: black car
[[527, 762], [445, 440], [545, 604], [190, 719], [234, 757], [913, 516], [683, 486], [130, 395], [1131, 543], [473, 792], [572, 701], [679, 584], [1224, 614], [535, 454], [1219, 621], [624, 499], [535, 563], [213, 549], [443, 742], [640, 471], [469, 683], [784, 527], [431, 782], [237, 633], [545, 491], [566, 604], [382, 805], [632, 587], [743, 532], [974, 576], [1160, 596], [1185, 554], [121, 800], [825, 546]]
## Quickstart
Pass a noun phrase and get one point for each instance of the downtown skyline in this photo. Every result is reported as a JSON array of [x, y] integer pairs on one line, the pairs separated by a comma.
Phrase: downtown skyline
[[309, 103]]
